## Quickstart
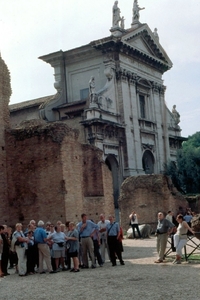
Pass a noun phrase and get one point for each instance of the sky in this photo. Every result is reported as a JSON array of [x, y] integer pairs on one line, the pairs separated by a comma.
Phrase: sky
[[32, 28]]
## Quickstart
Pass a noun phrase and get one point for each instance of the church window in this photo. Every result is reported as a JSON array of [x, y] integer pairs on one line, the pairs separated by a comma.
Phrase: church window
[[84, 93], [142, 106]]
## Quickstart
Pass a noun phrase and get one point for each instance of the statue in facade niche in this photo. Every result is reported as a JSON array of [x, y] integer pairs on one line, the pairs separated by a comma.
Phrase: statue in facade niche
[[92, 91], [116, 15], [176, 115], [136, 11]]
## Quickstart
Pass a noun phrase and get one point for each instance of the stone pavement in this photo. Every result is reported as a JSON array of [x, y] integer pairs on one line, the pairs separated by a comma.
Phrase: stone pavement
[[139, 279]]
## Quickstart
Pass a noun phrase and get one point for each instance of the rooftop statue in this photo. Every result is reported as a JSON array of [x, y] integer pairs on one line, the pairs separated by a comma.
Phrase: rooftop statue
[[136, 11], [156, 34], [116, 15], [122, 23], [176, 115]]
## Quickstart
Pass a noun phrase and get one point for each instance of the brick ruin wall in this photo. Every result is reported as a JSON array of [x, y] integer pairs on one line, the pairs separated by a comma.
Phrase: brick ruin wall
[[88, 182], [147, 195], [51, 176], [5, 92]]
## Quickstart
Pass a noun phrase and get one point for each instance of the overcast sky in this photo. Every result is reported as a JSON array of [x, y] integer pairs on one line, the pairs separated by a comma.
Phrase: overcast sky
[[32, 28]]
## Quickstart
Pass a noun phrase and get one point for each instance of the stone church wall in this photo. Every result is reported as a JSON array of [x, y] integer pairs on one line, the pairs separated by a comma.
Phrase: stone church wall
[[147, 195], [51, 176]]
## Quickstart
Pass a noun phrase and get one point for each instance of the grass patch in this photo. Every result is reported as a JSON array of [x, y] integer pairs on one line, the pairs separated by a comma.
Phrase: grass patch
[[194, 257]]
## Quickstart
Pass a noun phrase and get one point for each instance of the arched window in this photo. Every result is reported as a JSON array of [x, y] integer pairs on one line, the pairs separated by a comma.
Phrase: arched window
[[148, 162]]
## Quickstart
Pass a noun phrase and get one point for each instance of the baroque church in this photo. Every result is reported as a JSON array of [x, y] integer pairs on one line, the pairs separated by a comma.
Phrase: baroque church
[[112, 91]]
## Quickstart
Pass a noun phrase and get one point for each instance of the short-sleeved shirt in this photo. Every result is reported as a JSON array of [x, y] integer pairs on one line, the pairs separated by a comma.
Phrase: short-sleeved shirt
[[58, 237], [101, 226], [88, 229], [40, 235], [112, 229], [20, 234], [187, 218], [164, 225], [74, 244]]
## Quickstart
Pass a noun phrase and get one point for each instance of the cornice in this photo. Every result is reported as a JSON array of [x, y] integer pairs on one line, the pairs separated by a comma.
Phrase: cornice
[[133, 78]]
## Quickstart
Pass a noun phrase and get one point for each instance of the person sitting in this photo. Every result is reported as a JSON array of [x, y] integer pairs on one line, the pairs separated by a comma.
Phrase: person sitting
[[180, 238]]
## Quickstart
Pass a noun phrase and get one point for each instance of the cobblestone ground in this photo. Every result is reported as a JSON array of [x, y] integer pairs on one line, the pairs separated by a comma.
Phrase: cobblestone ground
[[140, 278]]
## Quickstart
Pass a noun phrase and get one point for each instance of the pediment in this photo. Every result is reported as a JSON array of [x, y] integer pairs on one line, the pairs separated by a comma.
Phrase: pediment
[[143, 40], [139, 43]]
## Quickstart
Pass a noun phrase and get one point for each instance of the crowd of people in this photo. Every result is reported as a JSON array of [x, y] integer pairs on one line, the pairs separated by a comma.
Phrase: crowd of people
[[60, 244]]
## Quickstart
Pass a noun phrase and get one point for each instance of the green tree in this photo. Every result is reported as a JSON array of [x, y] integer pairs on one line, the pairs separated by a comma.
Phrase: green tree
[[185, 173]]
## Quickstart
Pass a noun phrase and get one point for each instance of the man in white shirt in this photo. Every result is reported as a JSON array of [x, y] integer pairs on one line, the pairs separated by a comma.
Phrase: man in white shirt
[[103, 236]]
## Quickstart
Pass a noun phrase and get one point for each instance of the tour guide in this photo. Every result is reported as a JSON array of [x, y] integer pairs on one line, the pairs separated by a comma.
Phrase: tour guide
[[164, 228], [113, 234]]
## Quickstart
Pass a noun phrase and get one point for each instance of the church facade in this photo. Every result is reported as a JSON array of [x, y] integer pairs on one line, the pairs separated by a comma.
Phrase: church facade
[[112, 91]]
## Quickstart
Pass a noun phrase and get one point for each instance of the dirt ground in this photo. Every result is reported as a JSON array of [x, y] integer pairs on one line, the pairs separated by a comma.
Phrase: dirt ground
[[140, 278]]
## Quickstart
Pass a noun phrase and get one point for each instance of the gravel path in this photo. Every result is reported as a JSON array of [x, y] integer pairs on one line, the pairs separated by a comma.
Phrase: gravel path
[[140, 278]]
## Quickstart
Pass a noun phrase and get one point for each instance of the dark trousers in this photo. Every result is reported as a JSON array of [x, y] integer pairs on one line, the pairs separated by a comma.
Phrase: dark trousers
[[67, 259], [4, 261], [13, 259], [135, 226], [114, 248], [53, 263], [31, 259], [97, 253], [36, 255]]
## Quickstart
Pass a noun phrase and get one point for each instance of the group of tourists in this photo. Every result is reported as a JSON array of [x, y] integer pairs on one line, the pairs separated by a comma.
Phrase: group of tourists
[[58, 245]]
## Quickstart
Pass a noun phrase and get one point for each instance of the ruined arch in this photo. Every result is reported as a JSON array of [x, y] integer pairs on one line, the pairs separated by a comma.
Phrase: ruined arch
[[148, 162]]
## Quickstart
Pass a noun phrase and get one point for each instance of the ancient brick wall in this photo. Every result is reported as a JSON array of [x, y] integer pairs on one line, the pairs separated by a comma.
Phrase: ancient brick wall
[[35, 176], [48, 174], [98, 178], [88, 181], [5, 92], [147, 195]]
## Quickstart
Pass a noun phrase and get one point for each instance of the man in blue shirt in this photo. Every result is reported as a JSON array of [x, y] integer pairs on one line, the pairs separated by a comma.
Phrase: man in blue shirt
[[113, 234], [40, 237], [85, 229]]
